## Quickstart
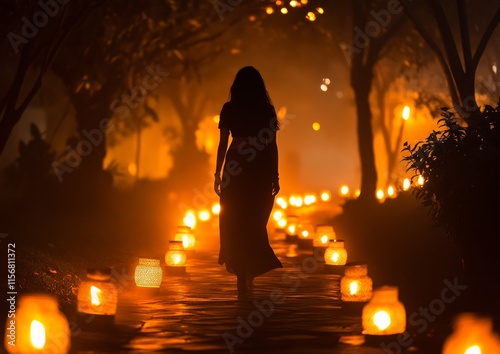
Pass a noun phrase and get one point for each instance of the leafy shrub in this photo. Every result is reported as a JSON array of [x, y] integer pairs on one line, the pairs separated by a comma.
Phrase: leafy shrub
[[460, 165]]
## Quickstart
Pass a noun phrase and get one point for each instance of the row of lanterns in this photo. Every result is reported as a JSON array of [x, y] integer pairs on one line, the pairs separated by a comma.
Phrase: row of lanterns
[[39, 326], [382, 312], [382, 194]]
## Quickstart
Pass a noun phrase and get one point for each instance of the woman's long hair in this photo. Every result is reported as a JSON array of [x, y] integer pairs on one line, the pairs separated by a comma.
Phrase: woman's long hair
[[249, 88]]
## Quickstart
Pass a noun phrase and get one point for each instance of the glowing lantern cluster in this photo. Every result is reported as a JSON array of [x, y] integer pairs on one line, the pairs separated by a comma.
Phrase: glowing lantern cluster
[[97, 295], [323, 235], [472, 335], [175, 256], [296, 201], [384, 314], [336, 254], [39, 327], [279, 218], [185, 235], [282, 202], [148, 273], [356, 285]]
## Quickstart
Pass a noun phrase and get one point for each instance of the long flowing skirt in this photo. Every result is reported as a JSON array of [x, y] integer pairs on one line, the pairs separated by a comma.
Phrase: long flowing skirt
[[246, 203]]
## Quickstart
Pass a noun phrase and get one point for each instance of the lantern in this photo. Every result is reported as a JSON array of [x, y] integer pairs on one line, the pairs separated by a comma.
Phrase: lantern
[[356, 285], [472, 335], [175, 258], [97, 295], [148, 273], [305, 236], [335, 254], [384, 314], [186, 236], [292, 228], [38, 327], [323, 235]]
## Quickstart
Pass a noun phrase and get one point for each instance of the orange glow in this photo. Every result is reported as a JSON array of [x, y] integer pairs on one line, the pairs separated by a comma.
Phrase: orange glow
[[320, 10], [316, 126], [475, 349], [294, 3], [284, 10], [204, 215], [216, 119], [216, 209], [190, 219], [406, 113], [132, 169], [309, 199], [324, 87], [278, 215], [311, 16], [37, 334], [281, 202], [406, 184], [325, 196], [391, 192], [94, 295], [269, 10], [420, 180], [382, 320], [344, 190], [380, 194]]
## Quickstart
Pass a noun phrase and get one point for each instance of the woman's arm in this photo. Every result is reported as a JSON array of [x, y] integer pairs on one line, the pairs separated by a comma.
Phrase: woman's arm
[[221, 154], [273, 147]]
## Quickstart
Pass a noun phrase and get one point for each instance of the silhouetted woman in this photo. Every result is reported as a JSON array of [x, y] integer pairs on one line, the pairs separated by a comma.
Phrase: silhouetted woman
[[249, 180]]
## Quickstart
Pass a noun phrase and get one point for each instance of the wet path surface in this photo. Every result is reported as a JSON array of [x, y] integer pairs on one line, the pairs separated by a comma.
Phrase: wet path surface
[[292, 310]]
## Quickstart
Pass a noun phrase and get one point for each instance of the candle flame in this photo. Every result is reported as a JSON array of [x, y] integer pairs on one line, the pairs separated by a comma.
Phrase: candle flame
[[406, 184], [353, 288], [94, 294], [382, 320], [335, 257], [177, 259], [475, 349], [305, 233], [37, 334], [406, 113], [324, 239]]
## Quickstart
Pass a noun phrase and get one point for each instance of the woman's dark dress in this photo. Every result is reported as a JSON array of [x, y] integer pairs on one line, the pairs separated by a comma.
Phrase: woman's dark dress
[[246, 192]]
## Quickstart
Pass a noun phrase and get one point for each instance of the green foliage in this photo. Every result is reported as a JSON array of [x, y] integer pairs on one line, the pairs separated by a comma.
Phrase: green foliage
[[461, 171]]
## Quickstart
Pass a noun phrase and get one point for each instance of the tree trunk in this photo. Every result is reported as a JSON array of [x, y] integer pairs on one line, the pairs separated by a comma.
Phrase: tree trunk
[[361, 84]]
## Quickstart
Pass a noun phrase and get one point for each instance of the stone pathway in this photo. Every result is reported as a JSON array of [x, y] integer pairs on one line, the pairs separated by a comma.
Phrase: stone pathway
[[292, 310]]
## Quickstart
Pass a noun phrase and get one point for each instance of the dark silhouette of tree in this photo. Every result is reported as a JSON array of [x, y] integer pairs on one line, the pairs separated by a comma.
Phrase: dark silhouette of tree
[[475, 25], [127, 51], [35, 32], [370, 25]]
